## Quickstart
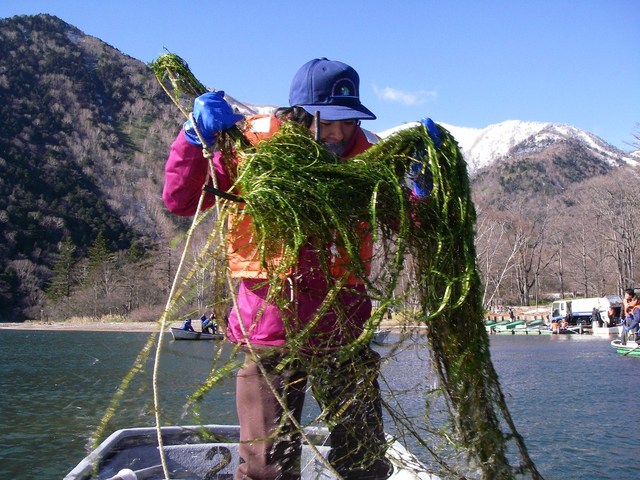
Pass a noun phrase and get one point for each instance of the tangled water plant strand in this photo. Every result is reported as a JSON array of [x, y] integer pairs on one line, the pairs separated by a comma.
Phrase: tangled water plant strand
[[297, 193], [296, 190]]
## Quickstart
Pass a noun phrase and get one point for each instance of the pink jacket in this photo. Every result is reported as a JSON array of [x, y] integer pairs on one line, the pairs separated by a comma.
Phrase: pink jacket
[[254, 320]]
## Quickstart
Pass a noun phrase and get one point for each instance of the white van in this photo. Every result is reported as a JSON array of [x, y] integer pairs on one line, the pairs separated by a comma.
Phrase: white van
[[580, 310]]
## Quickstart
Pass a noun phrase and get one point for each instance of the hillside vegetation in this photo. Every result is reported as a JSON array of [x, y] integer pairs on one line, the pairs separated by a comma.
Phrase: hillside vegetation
[[85, 132]]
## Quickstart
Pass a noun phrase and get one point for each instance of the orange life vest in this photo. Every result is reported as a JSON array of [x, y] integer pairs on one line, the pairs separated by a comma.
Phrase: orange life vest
[[242, 252]]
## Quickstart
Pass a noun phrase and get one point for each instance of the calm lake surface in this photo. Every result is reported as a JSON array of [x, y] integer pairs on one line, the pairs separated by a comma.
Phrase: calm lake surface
[[572, 398]]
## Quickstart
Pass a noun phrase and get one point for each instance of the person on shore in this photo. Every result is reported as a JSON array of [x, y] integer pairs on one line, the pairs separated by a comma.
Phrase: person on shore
[[631, 320], [186, 325], [611, 317], [345, 386]]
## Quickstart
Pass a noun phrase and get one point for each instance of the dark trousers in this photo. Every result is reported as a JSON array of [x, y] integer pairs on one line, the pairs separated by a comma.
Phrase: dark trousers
[[349, 395]]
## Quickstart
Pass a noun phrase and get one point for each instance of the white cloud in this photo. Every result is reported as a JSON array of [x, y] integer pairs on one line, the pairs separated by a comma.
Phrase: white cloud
[[389, 94]]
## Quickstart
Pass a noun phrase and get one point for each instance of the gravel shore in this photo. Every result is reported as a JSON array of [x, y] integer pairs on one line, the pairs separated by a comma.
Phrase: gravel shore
[[84, 326], [125, 326]]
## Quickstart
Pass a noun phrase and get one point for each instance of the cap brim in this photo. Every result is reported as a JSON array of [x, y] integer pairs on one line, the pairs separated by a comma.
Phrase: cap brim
[[333, 113]]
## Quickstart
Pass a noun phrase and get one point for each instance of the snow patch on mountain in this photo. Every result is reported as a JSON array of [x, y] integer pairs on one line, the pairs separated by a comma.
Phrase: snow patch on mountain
[[495, 141], [484, 146], [244, 108]]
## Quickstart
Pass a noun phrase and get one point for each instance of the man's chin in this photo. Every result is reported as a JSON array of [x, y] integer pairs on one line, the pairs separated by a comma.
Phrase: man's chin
[[335, 148]]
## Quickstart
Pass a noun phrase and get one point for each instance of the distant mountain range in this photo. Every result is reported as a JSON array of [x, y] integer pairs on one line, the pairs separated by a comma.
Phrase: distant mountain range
[[516, 138], [506, 140]]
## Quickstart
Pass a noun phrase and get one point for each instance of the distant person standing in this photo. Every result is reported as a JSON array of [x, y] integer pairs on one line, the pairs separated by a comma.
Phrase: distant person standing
[[631, 313], [611, 317]]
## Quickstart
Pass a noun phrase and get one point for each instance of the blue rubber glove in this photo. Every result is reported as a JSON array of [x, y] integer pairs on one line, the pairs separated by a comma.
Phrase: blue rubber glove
[[211, 114], [421, 182], [434, 133]]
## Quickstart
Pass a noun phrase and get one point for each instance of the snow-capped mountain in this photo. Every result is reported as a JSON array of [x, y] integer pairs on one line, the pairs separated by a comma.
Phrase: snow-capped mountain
[[512, 138], [484, 146], [244, 108]]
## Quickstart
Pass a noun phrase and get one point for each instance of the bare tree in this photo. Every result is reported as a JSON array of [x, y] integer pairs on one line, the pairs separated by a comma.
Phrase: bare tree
[[496, 255], [527, 227], [557, 246], [616, 204]]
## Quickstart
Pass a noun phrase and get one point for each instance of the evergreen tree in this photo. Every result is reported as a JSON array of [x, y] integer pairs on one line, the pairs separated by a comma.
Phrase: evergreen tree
[[101, 266], [98, 257], [62, 281]]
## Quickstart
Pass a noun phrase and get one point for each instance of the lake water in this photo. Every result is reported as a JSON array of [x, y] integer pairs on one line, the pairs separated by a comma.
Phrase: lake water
[[572, 398]]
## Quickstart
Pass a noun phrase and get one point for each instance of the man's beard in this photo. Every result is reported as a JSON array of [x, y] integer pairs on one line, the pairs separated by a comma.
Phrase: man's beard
[[337, 148]]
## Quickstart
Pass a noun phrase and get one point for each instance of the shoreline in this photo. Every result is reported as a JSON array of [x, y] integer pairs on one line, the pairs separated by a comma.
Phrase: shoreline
[[97, 326], [150, 326]]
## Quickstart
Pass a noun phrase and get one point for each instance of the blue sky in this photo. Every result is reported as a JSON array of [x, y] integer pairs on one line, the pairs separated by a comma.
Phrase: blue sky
[[466, 63]]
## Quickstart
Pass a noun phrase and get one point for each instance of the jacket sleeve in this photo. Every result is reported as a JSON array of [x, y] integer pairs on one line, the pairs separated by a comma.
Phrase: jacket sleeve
[[184, 176]]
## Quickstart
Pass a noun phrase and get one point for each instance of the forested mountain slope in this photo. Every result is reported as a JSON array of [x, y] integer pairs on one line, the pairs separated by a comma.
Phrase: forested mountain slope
[[85, 130]]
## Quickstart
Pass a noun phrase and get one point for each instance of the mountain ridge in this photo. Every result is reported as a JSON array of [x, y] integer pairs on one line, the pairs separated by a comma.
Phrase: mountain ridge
[[482, 147]]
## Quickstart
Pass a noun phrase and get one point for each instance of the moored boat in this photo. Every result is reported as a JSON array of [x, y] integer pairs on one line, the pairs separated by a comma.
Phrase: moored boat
[[211, 452], [493, 327], [515, 327], [629, 348], [524, 329], [180, 334], [536, 330]]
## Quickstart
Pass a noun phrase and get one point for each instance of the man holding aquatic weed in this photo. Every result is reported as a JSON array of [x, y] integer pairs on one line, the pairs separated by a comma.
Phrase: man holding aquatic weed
[[306, 327]]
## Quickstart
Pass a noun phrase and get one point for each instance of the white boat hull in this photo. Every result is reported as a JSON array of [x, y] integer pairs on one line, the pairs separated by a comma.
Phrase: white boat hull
[[606, 330], [190, 455], [630, 348], [179, 334]]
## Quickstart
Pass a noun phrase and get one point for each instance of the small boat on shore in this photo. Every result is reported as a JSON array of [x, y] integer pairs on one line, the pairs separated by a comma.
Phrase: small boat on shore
[[180, 334], [495, 326], [211, 452], [517, 327], [522, 331]]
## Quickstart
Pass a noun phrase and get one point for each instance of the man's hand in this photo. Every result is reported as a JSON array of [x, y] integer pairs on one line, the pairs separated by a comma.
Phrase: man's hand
[[211, 114]]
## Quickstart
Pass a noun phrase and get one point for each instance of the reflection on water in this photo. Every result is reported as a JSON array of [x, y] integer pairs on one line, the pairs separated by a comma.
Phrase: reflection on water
[[572, 397], [568, 395], [56, 387]]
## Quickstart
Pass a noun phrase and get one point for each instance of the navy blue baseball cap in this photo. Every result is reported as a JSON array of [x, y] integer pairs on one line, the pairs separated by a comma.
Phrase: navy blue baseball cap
[[331, 88]]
